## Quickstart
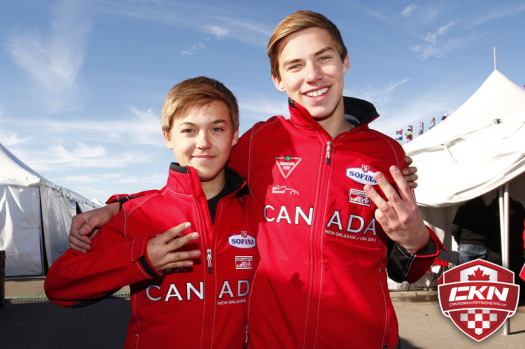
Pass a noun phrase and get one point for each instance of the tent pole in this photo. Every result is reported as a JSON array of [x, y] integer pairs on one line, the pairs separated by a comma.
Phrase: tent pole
[[504, 223], [495, 58], [504, 228]]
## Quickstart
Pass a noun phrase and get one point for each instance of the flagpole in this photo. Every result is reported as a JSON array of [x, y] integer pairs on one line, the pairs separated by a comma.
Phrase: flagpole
[[495, 58]]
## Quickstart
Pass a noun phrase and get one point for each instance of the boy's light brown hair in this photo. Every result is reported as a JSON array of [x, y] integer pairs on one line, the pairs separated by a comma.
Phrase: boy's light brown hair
[[195, 93], [298, 21]]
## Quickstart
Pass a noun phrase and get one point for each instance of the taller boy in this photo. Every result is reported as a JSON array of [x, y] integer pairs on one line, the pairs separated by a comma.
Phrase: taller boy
[[322, 280]]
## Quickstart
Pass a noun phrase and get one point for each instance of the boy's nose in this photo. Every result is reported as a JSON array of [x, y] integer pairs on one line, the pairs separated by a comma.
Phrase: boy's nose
[[203, 141], [313, 72]]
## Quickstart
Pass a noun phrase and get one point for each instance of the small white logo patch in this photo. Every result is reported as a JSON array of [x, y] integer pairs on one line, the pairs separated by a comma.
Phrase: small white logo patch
[[361, 175], [359, 197], [243, 262], [242, 240]]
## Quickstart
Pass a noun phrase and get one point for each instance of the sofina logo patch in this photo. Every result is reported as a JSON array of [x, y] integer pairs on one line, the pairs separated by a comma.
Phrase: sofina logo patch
[[478, 297], [242, 240], [361, 175], [287, 164]]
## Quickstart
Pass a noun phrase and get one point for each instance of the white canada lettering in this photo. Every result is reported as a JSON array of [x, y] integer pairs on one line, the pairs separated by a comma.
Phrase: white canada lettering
[[173, 292], [355, 224], [351, 219], [243, 287], [191, 289], [150, 296], [299, 212], [226, 289], [336, 219], [300, 215], [371, 227], [157, 293], [283, 214]]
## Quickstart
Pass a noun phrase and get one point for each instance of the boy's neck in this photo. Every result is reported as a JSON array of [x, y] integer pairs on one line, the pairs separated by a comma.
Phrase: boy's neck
[[334, 129], [212, 188], [335, 123]]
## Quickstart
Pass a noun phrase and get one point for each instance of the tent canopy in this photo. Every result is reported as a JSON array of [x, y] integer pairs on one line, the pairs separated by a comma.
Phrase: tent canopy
[[476, 149], [35, 217], [479, 150]]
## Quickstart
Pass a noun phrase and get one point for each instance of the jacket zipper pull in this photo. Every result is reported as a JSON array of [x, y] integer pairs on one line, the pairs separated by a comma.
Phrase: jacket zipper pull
[[209, 260], [328, 150]]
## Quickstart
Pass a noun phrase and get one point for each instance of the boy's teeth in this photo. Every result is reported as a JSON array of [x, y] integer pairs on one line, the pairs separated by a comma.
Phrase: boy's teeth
[[317, 93]]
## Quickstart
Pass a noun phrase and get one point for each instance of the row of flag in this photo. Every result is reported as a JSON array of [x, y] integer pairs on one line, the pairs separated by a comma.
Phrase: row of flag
[[409, 135]]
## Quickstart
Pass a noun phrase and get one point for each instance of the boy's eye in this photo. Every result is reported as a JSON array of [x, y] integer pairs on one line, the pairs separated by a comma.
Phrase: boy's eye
[[218, 129], [187, 130]]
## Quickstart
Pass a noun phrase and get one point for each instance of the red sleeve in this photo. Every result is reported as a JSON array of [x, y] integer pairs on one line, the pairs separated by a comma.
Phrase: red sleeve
[[115, 197], [111, 264], [424, 259]]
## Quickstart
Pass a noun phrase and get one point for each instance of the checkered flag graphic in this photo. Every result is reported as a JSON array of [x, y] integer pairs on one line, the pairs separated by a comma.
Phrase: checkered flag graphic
[[478, 320]]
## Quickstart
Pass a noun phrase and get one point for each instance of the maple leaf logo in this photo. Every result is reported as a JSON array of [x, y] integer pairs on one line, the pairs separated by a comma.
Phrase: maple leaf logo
[[478, 275]]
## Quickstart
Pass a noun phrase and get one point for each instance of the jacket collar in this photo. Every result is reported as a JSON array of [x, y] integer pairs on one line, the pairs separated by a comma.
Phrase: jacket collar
[[184, 179], [357, 111]]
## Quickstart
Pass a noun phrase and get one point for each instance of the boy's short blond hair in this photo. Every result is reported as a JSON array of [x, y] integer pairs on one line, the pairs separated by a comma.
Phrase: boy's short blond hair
[[197, 92], [298, 21]]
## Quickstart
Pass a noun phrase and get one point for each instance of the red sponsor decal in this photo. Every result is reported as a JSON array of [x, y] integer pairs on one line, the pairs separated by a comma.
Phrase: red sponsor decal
[[243, 262]]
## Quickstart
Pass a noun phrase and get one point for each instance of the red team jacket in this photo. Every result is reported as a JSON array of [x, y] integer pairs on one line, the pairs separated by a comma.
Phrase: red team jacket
[[322, 279], [199, 307]]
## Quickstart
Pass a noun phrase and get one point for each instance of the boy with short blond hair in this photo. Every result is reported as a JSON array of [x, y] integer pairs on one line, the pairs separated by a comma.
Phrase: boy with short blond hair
[[188, 289], [334, 225]]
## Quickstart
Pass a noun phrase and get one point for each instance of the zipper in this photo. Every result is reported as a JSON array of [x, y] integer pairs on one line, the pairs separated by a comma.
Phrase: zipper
[[209, 260], [316, 238], [328, 151]]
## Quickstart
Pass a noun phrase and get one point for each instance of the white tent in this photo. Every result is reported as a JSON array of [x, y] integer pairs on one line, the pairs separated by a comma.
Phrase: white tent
[[35, 217], [479, 150]]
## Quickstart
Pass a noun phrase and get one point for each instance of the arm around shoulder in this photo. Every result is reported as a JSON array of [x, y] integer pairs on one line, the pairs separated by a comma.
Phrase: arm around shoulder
[[112, 263]]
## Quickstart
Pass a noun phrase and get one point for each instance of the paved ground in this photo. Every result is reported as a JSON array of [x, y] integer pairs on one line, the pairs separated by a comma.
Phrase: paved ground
[[28, 320]]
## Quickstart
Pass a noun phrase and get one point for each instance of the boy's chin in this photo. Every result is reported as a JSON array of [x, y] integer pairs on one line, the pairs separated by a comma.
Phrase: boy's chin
[[207, 177]]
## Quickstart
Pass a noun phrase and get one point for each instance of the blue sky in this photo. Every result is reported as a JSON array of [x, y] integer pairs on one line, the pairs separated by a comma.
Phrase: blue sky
[[82, 82]]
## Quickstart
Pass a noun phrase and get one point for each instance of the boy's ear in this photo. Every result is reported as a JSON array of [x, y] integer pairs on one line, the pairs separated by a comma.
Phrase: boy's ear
[[278, 83], [235, 137], [346, 63], [167, 139]]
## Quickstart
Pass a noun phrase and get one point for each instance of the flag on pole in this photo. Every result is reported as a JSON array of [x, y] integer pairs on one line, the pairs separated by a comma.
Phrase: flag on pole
[[421, 127], [399, 135], [444, 117], [432, 123], [409, 135]]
